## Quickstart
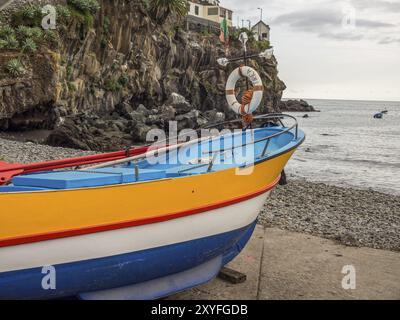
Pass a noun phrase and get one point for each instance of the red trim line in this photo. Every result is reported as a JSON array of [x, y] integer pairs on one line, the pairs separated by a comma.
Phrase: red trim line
[[134, 223]]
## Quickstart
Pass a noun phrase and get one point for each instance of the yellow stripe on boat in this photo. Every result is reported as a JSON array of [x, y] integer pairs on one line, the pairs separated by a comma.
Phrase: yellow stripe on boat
[[37, 213]]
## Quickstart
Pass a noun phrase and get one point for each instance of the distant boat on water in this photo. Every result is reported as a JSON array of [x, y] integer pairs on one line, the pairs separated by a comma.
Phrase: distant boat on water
[[378, 115]]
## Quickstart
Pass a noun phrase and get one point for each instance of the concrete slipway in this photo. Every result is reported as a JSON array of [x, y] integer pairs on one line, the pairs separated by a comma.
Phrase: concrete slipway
[[286, 265]]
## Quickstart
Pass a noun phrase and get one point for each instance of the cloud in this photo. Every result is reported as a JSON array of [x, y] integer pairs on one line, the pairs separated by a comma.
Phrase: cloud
[[342, 36], [373, 24], [309, 20], [381, 5], [331, 22], [389, 40]]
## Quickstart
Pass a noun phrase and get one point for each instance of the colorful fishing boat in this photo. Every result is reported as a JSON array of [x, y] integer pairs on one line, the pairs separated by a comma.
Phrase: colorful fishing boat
[[137, 230], [146, 223]]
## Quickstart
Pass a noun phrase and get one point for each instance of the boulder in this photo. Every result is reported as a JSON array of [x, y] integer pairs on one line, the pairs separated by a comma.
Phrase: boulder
[[179, 103], [296, 106]]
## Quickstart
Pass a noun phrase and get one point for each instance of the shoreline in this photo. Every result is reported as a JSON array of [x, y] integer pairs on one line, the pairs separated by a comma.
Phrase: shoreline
[[348, 215]]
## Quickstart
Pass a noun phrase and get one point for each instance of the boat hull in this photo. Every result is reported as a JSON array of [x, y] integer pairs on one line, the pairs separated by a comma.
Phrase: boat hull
[[210, 239], [110, 241]]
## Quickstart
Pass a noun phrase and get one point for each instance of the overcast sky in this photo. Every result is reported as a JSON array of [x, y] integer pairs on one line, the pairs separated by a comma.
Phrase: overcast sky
[[332, 49]]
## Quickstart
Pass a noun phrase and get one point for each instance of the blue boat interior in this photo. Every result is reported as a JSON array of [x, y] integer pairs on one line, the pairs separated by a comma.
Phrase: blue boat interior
[[223, 152]]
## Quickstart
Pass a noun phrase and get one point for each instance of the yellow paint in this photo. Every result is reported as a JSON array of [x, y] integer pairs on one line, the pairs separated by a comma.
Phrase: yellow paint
[[25, 214]]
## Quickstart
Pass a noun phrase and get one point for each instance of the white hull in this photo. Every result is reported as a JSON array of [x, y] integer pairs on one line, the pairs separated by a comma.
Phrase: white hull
[[121, 241]]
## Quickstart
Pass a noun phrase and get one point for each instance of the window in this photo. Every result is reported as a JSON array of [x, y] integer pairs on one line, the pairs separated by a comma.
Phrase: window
[[229, 15], [223, 12], [196, 10], [212, 11], [265, 35]]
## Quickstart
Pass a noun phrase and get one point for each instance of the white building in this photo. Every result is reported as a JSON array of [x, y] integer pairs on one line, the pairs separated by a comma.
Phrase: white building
[[262, 31], [210, 10]]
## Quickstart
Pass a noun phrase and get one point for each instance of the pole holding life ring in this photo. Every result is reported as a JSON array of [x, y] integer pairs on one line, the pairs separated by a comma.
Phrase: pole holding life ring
[[252, 98]]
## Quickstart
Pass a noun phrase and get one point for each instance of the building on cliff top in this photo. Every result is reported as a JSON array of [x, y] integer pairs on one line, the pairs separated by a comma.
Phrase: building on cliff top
[[208, 13], [261, 30]]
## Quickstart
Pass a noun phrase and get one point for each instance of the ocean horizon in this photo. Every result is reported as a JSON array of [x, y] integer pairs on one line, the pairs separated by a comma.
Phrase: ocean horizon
[[355, 100]]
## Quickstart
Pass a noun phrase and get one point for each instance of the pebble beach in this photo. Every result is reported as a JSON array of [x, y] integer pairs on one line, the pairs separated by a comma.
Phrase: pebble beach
[[350, 216]]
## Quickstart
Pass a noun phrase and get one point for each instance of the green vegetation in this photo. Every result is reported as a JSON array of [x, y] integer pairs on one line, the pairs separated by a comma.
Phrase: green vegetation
[[161, 9], [52, 37], [9, 42], [24, 32], [113, 85], [106, 25], [69, 71], [123, 80], [15, 68], [85, 6], [71, 86], [105, 37], [262, 45], [29, 15], [83, 11], [63, 13], [29, 46], [6, 31]]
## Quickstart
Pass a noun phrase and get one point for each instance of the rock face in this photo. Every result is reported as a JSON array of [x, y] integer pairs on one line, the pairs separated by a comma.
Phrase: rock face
[[296, 106], [104, 87]]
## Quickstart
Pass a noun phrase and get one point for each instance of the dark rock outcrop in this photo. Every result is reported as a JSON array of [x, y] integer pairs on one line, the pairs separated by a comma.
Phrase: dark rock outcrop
[[296, 106], [103, 87]]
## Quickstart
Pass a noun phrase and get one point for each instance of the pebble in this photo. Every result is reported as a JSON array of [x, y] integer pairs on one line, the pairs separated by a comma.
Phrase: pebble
[[350, 216]]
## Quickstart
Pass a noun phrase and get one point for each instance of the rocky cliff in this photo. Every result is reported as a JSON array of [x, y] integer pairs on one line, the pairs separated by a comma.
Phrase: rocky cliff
[[102, 80]]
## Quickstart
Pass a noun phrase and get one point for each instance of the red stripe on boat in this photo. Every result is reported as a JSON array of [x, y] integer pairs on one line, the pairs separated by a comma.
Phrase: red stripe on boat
[[133, 223]]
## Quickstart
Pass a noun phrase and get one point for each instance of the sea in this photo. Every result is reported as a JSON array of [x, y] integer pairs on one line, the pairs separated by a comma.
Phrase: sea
[[346, 146]]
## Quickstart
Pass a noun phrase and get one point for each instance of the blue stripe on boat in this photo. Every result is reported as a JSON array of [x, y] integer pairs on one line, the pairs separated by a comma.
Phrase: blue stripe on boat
[[132, 268]]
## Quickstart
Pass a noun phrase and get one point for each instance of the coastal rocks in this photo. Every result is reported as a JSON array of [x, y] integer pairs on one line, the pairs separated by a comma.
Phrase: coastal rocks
[[296, 106], [131, 70], [179, 103]]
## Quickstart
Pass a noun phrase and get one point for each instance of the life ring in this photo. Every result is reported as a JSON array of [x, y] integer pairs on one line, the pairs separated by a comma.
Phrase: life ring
[[254, 77]]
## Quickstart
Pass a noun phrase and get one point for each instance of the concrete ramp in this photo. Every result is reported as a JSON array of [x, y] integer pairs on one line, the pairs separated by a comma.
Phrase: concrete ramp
[[286, 265]]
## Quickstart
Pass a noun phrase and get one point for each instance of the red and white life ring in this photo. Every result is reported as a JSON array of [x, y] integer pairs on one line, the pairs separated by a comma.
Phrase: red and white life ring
[[258, 89]]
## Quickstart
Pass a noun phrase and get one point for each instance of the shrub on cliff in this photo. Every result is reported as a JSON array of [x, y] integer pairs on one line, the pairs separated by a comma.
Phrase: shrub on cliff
[[15, 68], [83, 11], [262, 45], [63, 12], [9, 42], [24, 32], [29, 15], [29, 46], [161, 9], [6, 31], [85, 6]]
